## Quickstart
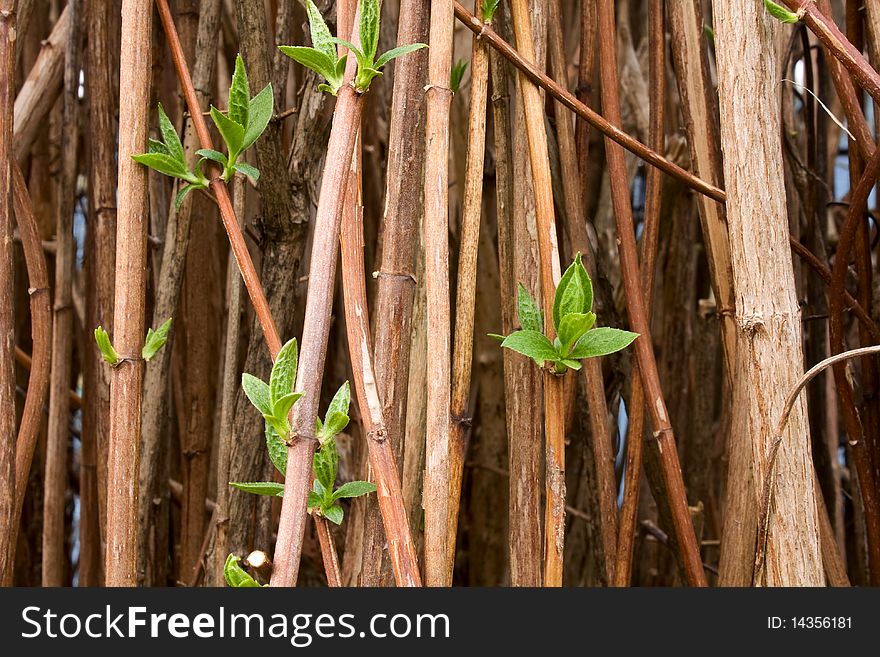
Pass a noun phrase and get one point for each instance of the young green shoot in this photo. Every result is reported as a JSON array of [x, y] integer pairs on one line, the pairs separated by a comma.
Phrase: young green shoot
[[457, 75], [780, 13], [574, 322], [236, 576], [323, 59], [240, 127], [274, 400], [154, 341], [487, 10]]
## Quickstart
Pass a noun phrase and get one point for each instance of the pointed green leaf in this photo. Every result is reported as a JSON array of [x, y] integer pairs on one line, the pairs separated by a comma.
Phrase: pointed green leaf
[[321, 37], [457, 75], [258, 393], [281, 425], [780, 13], [601, 342], [488, 8], [533, 344], [283, 371], [169, 135], [182, 194], [572, 327], [239, 94], [165, 164], [358, 53], [261, 107], [394, 53], [236, 576], [282, 406], [232, 133], [530, 316], [270, 488], [369, 28], [574, 293], [326, 464], [314, 501], [277, 449], [312, 59], [333, 513], [155, 340], [215, 156], [155, 146], [108, 353], [341, 400], [354, 489], [247, 170], [319, 490]]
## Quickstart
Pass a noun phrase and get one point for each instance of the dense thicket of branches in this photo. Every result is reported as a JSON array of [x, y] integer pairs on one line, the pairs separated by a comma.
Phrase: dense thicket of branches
[[714, 166]]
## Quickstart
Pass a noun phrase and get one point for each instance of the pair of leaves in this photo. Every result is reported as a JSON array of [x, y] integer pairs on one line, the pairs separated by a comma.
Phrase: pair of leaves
[[275, 399], [573, 320], [154, 341], [236, 576], [242, 125], [323, 498], [167, 157], [322, 56]]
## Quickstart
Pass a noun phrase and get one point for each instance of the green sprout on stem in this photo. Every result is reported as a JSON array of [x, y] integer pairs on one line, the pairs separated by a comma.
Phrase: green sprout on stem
[[236, 576], [574, 322], [274, 400], [780, 13], [457, 75], [154, 341], [240, 127], [488, 8], [323, 59]]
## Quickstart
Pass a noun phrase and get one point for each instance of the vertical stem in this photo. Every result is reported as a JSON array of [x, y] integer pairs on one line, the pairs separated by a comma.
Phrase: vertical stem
[[635, 433], [328, 552], [575, 224], [55, 480], [131, 259], [463, 351], [554, 396], [8, 518], [664, 440], [436, 489]]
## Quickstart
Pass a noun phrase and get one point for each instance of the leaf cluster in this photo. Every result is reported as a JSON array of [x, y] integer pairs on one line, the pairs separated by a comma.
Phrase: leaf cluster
[[573, 318], [154, 341], [323, 59]]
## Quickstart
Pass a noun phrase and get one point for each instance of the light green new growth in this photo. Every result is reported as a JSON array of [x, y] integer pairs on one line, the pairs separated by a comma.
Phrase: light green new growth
[[322, 57], [488, 10], [236, 576], [573, 320], [780, 13], [108, 353], [156, 340], [457, 75]]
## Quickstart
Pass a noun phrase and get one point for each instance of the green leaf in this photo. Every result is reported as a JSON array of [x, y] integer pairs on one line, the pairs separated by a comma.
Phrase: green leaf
[[358, 53], [216, 156], [326, 464], [364, 78], [239, 94], [601, 342], [572, 327], [340, 401], [354, 489], [281, 425], [530, 316], [322, 40], [236, 576], [336, 418], [313, 59], [261, 107], [780, 13], [369, 28], [277, 449], [333, 513], [270, 488], [394, 53], [314, 501], [165, 164], [533, 344], [457, 75], [319, 490], [497, 336], [258, 393], [283, 372], [169, 135], [182, 194], [246, 169], [156, 340], [574, 293], [283, 405], [155, 146], [573, 364], [487, 10], [108, 353], [232, 133]]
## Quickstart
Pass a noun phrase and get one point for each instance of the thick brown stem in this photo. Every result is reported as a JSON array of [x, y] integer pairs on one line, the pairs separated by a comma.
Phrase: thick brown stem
[[131, 261]]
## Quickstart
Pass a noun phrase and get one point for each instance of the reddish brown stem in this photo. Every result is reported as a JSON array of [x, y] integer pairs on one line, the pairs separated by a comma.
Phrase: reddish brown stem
[[328, 551]]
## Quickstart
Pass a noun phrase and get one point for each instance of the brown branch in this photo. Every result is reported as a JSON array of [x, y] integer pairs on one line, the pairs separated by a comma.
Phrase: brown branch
[[650, 238], [605, 126], [131, 268], [664, 440]]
